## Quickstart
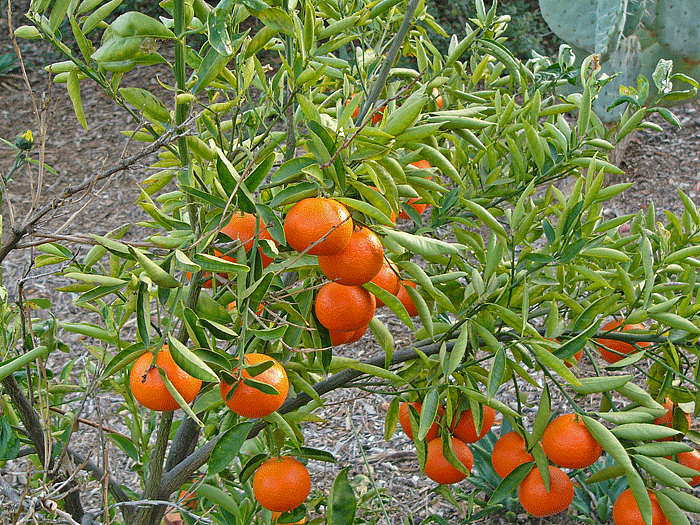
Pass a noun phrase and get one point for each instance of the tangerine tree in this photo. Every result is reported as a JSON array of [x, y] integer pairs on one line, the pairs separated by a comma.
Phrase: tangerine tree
[[504, 278]]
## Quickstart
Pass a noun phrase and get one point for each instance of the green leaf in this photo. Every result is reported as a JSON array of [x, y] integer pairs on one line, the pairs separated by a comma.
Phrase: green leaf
[[9, 441], [228, 446], [425, 246], [189, 362], [342, 502], [73, 86]]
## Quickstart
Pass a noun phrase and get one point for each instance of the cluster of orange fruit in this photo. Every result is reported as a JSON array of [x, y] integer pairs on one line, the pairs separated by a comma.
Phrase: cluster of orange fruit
[[566, 442], [349, 257]]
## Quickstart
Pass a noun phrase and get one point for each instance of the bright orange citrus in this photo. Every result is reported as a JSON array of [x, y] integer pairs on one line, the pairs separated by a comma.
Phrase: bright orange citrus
[[248, 401], [387, 279], [241, 228], [344, 308], [438, 98], [618, 346], [691, 460], [509, 452], [187, 499], [667, 419], [420, 208], [569, 444], [406, 299], [346, 338], [465, 429], [405, 420], [148, 388], [281, 484], [376, 118], [537, 501], [356, 264], [439, 469], [314, 218], [626, 511]]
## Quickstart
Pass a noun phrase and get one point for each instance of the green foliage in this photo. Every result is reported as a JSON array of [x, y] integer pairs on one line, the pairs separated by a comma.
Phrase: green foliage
[[526, 31], [513, 276]]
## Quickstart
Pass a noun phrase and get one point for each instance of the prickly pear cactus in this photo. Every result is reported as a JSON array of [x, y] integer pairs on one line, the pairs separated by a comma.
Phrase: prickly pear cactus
[[631, 36], [678, 28]]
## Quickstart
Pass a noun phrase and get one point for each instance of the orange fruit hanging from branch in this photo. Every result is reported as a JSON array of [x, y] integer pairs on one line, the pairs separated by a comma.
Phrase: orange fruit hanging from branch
[[569, 444], [149, 389], [539, 502], [612, 348], [325, 222], [356, 264], [465, 428], [248, 401], [509, 452], [344, 308], [405, 420], [626, 511], [442, 471], [281, 484]]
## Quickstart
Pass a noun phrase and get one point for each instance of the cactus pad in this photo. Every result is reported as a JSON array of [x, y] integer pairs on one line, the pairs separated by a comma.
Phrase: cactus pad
[[574, 21], [677, 28]]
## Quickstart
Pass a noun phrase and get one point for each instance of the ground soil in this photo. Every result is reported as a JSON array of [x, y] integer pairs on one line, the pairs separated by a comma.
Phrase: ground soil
[[352, 429]]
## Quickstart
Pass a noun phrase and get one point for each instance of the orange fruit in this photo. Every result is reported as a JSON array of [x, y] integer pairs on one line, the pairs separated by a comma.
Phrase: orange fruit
[[465, 429], [148, 388], [576, 356], [316, 218], [667, 419], [537, 501], [241, 228], [438, 98], [569, 444], [376, 118], [356, 264], [626, 511], [618, 346], [439, 469], [509, 452], [406, 299], [420, 208], [387, 279], [344, 308], [281, 484], [692, 460], [187, 499], [405, 420], [248, 401], [276, 515], [345, 338]]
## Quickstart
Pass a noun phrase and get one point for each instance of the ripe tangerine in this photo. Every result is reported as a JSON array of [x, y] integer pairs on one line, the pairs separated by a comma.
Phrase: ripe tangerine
[[356, 264], [387, 279], [344, 308], [148, 387], [442, 471], [248, 401], [569, 444], [376, 118], [667, 419], [626, 511], [509, 452], [420, 208], [346, 338], [535, 499], [465, 428], [281, 484], [406, 300], [312, 219], [691, 460], [618, 346], [405, 420], [241, 228]]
